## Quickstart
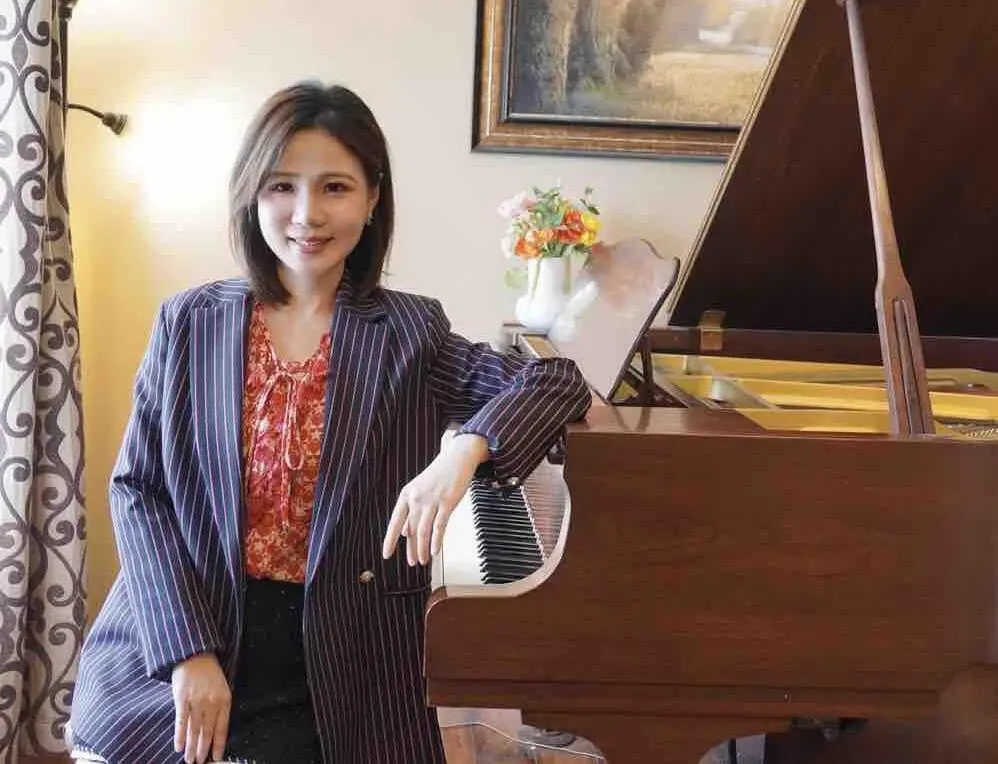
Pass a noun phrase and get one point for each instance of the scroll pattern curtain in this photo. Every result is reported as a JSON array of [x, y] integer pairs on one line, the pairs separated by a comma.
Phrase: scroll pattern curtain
[[42, 547]]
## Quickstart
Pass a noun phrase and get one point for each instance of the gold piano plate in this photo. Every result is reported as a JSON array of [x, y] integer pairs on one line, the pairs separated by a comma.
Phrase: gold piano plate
[[864, 398], [760, 367], [971, 381], [718, 392], [856, 423], [828, 421], [827, 397]]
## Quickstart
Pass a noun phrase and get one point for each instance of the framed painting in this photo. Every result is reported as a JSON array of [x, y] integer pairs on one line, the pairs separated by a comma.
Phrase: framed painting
[[651, 78]]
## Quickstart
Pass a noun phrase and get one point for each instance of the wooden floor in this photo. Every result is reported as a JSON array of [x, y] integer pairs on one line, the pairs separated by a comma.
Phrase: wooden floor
[[473, 736]]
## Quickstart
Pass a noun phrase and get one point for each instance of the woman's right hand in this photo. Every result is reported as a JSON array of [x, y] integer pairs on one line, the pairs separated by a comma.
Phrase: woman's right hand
[[202, 701]]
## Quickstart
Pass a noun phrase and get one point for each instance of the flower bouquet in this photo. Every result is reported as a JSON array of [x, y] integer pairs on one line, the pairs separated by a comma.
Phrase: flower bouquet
[[545, 229]]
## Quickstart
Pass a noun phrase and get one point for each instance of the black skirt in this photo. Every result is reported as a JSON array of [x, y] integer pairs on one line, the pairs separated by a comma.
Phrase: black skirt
[[272, 720]]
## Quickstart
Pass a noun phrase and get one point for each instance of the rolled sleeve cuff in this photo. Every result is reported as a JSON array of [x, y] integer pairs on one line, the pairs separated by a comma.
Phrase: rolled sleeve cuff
[[491, 472]]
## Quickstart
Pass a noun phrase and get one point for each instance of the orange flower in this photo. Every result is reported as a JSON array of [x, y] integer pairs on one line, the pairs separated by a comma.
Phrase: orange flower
[[572, 227], [525, 249], [532, 243]]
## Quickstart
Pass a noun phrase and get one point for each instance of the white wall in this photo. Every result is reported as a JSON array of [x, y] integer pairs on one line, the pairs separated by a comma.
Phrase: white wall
[[149, 207]]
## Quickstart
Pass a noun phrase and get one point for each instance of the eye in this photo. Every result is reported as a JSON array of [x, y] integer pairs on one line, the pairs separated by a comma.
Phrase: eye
[[279, 187], [336, 187]]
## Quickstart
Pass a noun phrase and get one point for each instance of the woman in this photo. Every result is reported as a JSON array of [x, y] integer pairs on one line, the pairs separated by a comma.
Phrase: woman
[[284, 441]]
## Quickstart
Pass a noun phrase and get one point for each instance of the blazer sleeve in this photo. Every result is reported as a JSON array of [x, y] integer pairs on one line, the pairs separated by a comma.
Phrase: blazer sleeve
[[520, 405], [172, 617]]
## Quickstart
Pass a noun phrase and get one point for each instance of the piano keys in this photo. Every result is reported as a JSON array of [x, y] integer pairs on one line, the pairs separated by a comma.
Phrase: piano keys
[[497, 536]]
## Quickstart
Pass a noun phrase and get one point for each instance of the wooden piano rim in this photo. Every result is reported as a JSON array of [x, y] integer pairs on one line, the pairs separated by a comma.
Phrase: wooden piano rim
[[668, 700], [725, 423]]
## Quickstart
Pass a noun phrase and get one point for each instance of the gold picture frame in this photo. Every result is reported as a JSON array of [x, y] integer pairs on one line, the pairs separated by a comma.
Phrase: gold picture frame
[[521, 54]]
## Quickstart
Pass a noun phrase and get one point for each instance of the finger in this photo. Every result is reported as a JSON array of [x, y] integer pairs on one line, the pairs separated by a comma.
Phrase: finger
[[204, 740], [221, 733], [416, 513], [193, 732], [410, 550], [424, 533], [439, 526], [180, 725], [400, 515], [410, 546]]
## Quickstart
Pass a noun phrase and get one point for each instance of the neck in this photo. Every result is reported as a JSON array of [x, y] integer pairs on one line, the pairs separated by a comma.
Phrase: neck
[[311, 297]]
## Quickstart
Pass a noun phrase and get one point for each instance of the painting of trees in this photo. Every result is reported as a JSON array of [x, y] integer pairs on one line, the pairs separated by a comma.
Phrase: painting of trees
[[694, 61], [684, 63]]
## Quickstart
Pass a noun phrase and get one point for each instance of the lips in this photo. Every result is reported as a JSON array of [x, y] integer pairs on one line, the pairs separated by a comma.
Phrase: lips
[[309, 246]]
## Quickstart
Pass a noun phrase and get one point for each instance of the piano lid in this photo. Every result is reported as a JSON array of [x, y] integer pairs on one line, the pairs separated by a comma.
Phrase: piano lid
[[788, 240]]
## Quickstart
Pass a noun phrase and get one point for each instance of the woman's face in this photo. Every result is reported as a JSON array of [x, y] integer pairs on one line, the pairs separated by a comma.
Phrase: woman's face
[[313, 208]]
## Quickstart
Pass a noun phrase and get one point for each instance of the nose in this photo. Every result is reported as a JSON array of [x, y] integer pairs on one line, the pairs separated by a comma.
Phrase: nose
[[307, 211]]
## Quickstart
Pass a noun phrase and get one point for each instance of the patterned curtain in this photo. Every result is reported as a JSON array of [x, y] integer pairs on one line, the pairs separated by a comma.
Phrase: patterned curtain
[[42, 597]]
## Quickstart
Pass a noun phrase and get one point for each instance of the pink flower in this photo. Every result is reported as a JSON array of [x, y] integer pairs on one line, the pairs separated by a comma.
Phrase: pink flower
[[515, 207]]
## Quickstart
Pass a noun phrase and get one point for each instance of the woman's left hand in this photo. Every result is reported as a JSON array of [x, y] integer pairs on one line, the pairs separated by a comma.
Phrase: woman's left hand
[[425, 504]]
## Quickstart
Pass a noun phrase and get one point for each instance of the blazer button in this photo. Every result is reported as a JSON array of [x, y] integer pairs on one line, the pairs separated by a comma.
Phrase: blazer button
[[366, 577]]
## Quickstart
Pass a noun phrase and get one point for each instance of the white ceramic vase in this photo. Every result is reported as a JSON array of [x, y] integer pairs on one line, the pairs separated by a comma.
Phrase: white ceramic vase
[[549, 282]]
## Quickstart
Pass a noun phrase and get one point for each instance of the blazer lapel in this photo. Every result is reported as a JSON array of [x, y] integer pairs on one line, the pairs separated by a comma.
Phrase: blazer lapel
[[356, 371], [217, 356]]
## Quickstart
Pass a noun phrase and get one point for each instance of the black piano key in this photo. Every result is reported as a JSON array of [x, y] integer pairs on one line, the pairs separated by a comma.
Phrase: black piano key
[[508, 531], [506, 536], [518, 558], [503, 575], [507, 545]]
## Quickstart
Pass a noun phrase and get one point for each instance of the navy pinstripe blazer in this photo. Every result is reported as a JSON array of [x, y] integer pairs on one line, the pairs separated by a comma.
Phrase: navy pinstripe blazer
[[398, 376]]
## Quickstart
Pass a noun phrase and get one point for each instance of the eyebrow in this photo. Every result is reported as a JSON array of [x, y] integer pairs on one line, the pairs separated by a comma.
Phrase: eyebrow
[[323, 176]]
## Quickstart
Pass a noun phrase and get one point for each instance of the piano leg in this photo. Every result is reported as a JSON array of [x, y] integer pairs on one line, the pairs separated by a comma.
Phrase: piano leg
[[964, 731], [880, 742], [653, 739]]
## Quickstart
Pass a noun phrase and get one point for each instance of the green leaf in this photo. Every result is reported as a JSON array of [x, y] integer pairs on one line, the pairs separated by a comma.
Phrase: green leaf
[[516, 278]]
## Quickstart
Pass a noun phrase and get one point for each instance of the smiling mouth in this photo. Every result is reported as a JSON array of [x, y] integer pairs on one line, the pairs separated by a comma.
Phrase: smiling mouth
[[309, 246]]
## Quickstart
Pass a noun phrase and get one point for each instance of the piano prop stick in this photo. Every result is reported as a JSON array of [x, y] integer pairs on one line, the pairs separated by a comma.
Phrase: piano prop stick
[[900, 342]]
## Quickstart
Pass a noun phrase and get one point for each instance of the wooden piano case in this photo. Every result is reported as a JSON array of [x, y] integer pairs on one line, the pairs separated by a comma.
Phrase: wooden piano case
[[748, 544]]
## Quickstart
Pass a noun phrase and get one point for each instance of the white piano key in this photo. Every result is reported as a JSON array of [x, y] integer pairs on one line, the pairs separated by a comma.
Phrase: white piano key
[[458, 562]]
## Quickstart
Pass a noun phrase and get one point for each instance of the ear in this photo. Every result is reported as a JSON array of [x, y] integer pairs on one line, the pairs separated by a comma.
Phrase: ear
[[372, 199]]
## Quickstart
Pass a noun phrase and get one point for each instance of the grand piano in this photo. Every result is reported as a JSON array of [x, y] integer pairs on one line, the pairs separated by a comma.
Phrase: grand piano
[[742, 538]]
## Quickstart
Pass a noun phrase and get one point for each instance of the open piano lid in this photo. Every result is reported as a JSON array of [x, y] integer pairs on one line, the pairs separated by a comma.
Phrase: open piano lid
[[788, 241]]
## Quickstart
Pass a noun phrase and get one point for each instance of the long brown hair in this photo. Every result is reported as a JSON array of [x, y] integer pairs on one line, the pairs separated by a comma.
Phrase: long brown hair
[[341, 113]]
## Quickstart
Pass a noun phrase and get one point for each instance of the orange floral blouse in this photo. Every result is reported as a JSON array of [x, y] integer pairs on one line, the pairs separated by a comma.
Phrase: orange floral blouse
[[283, 413]]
